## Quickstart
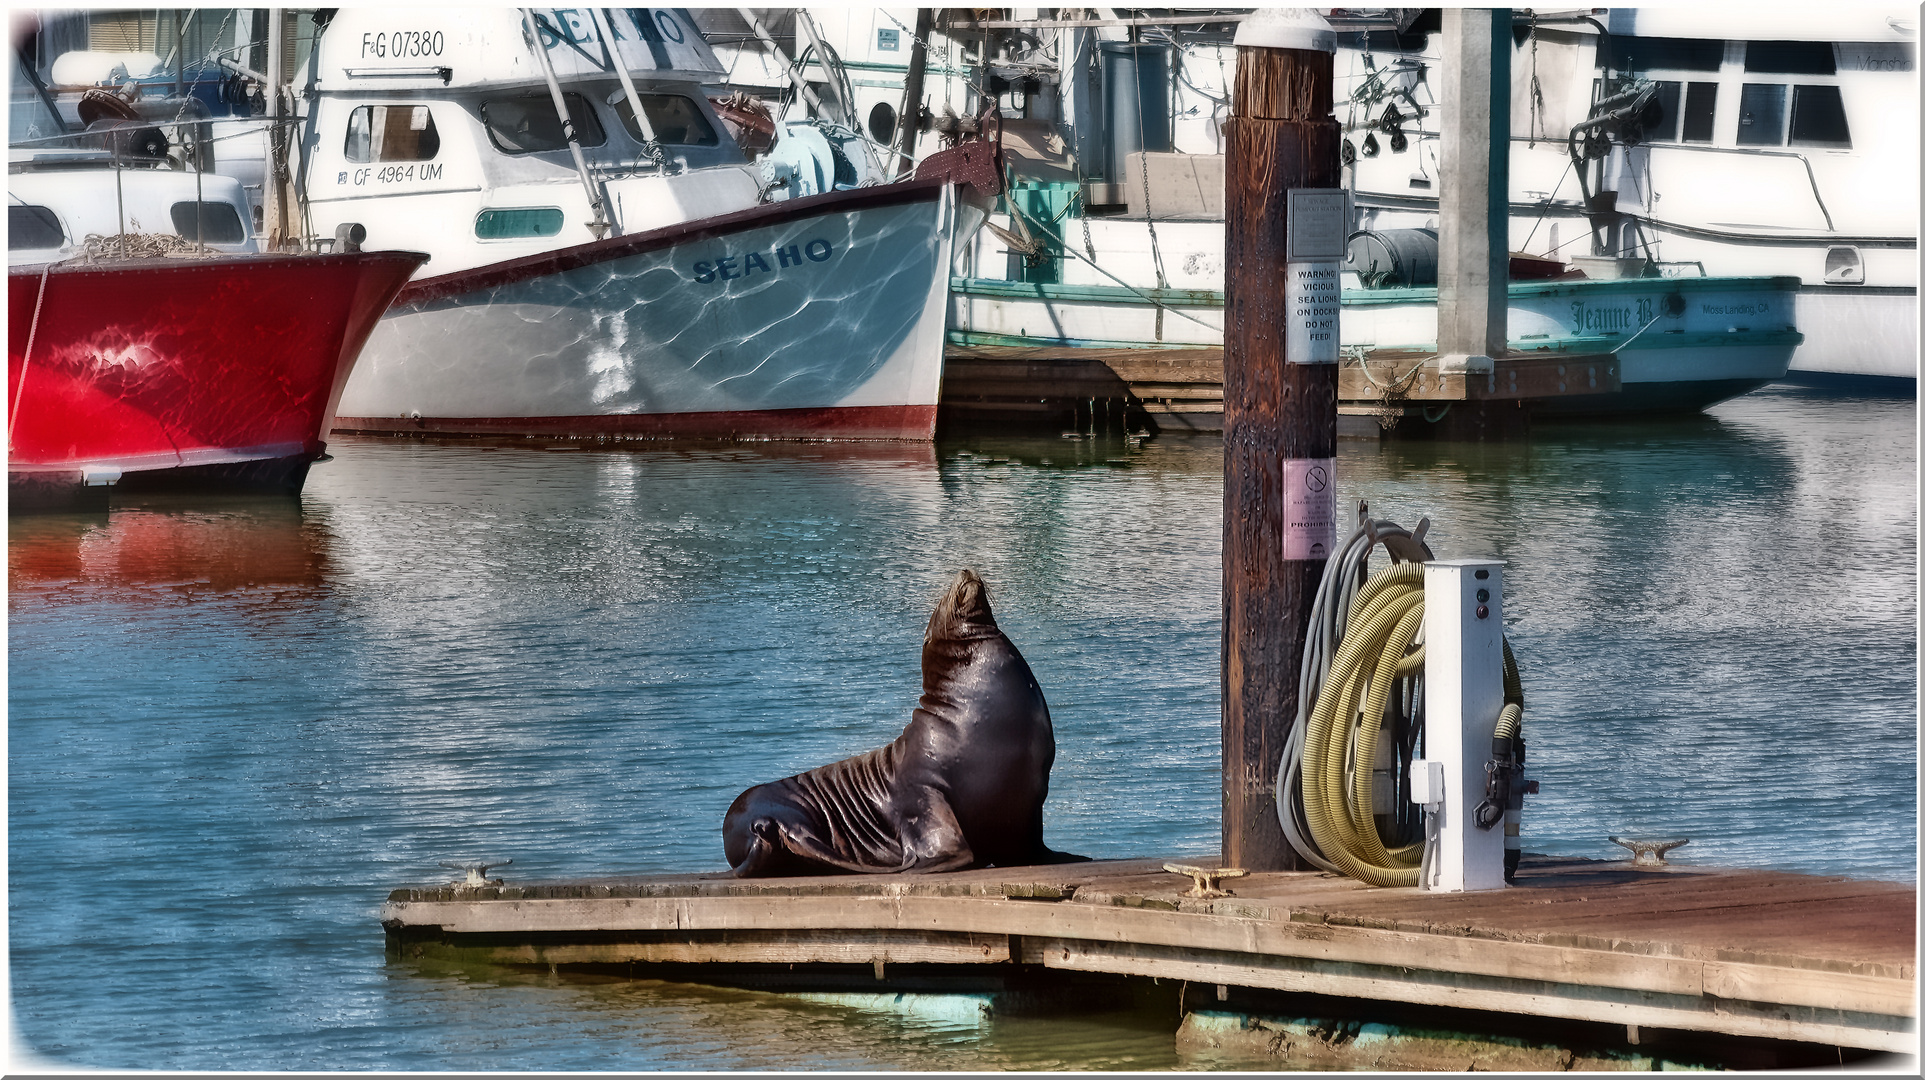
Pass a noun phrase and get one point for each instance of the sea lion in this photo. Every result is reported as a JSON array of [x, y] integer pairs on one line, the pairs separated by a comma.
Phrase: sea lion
[[962, 786]]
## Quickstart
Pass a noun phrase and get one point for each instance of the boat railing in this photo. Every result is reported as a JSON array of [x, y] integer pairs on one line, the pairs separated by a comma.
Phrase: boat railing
[[1743, 151]]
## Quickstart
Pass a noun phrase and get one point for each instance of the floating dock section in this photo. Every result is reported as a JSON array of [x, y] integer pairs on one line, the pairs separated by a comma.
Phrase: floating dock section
[[1744, 953]]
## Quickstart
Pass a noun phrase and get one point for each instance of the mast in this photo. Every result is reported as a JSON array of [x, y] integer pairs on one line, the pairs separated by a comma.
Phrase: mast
[[801, 85], [273, 198], [910, 116]]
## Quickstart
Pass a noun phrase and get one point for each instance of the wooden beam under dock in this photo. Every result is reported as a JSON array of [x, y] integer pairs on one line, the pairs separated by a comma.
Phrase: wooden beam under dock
[[1180, 389], [1743, 953]]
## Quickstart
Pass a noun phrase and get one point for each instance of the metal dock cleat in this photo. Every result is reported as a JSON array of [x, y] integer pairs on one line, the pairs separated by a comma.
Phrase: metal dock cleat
[[1649, 852], [1206, 879], [477, 873]]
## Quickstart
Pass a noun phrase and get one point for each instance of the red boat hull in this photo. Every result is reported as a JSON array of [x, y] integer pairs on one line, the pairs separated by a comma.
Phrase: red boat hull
[[219, 373]]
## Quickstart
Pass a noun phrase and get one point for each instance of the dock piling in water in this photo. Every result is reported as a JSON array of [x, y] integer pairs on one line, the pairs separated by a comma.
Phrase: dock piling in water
[[1473, 202], [1279, 417]]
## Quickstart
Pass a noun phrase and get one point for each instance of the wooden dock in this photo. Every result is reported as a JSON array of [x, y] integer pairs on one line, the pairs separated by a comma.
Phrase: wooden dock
[[1179, 390], [1744, 953]]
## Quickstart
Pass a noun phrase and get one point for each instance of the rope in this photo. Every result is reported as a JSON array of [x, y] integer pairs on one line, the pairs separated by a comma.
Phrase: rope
[[1622, 345], [26, 358], [1393, 388], [1092, 262]]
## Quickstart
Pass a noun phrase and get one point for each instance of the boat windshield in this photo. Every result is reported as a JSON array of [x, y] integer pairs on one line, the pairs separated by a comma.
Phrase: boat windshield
[[676, 120], [527, 124], [29, 114]]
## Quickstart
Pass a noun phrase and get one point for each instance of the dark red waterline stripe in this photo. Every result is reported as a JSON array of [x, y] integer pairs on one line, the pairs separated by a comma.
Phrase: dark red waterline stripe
[[910, 423], [615, 247]]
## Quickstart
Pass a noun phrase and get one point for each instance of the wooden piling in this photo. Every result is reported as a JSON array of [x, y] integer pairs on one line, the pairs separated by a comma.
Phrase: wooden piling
[[1281, 136], [1473, 235]]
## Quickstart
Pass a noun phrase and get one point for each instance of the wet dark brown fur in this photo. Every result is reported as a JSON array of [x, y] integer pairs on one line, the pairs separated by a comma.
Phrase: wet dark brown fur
[[962, 786]]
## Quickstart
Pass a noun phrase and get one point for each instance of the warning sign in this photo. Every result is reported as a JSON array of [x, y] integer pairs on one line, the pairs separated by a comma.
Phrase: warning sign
[[1313, 303], [1317, 232], [1309, 508]]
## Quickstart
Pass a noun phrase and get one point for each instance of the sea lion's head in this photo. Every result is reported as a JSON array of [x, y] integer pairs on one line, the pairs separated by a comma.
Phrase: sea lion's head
[[962, 612]]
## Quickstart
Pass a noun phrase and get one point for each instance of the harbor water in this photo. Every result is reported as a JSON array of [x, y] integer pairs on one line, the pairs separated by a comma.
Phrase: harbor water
[[235, 725]]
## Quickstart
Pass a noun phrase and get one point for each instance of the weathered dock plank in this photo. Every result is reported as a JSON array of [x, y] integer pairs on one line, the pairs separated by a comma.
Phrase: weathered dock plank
[[1744, 953]]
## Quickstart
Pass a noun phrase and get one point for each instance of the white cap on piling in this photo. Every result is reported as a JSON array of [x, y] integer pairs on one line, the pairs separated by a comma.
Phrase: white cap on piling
[[1286, 28]]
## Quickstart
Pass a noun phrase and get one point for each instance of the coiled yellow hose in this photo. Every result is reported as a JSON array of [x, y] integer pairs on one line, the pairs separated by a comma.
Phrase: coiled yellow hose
[[1347, 720]]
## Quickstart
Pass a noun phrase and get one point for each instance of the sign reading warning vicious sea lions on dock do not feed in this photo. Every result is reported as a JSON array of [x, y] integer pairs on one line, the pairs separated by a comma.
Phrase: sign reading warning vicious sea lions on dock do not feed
[[1317, 224]]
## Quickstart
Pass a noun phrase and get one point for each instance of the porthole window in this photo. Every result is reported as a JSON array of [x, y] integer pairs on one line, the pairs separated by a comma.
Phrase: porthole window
[[1844, 266], [530, 124], [676, 120], [212, 222], [392, 133], [517, 223]]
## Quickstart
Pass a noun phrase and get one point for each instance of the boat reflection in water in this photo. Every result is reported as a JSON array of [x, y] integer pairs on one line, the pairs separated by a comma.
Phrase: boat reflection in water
[[168, 547]]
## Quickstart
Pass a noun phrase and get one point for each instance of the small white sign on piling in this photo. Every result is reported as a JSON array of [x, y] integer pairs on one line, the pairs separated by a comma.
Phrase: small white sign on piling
[[1463, 693]]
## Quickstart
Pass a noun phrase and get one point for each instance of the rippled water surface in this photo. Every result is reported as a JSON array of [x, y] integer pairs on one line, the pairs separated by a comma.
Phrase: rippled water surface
[[234, 726]]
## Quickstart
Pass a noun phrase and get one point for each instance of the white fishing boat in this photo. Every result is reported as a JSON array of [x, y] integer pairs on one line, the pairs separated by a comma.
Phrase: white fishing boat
[[1681, 344], [1782, 143], [1785, 144], [605, 259]]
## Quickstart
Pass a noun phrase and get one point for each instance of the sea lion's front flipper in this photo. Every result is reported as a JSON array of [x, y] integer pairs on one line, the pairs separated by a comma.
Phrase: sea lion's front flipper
[[932, 838], [763, 850]]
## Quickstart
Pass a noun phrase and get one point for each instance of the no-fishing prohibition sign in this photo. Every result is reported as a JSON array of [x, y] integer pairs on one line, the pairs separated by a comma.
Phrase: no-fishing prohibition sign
[[1309, 507]]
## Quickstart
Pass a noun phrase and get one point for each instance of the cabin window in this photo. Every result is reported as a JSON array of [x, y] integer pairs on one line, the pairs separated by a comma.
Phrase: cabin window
[[30, 227], [1661, 54], [211, 222], [392, 133], [1670, 96], [526, 125], [1688, 109], [1700, 110], [1791, 58], [1761, 115], [1818, 118], [517, 223], [676, 120]]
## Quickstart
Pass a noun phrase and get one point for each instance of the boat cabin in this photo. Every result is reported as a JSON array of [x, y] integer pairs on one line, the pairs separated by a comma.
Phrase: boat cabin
[[61, 191], [53, 207], [437, 130]]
